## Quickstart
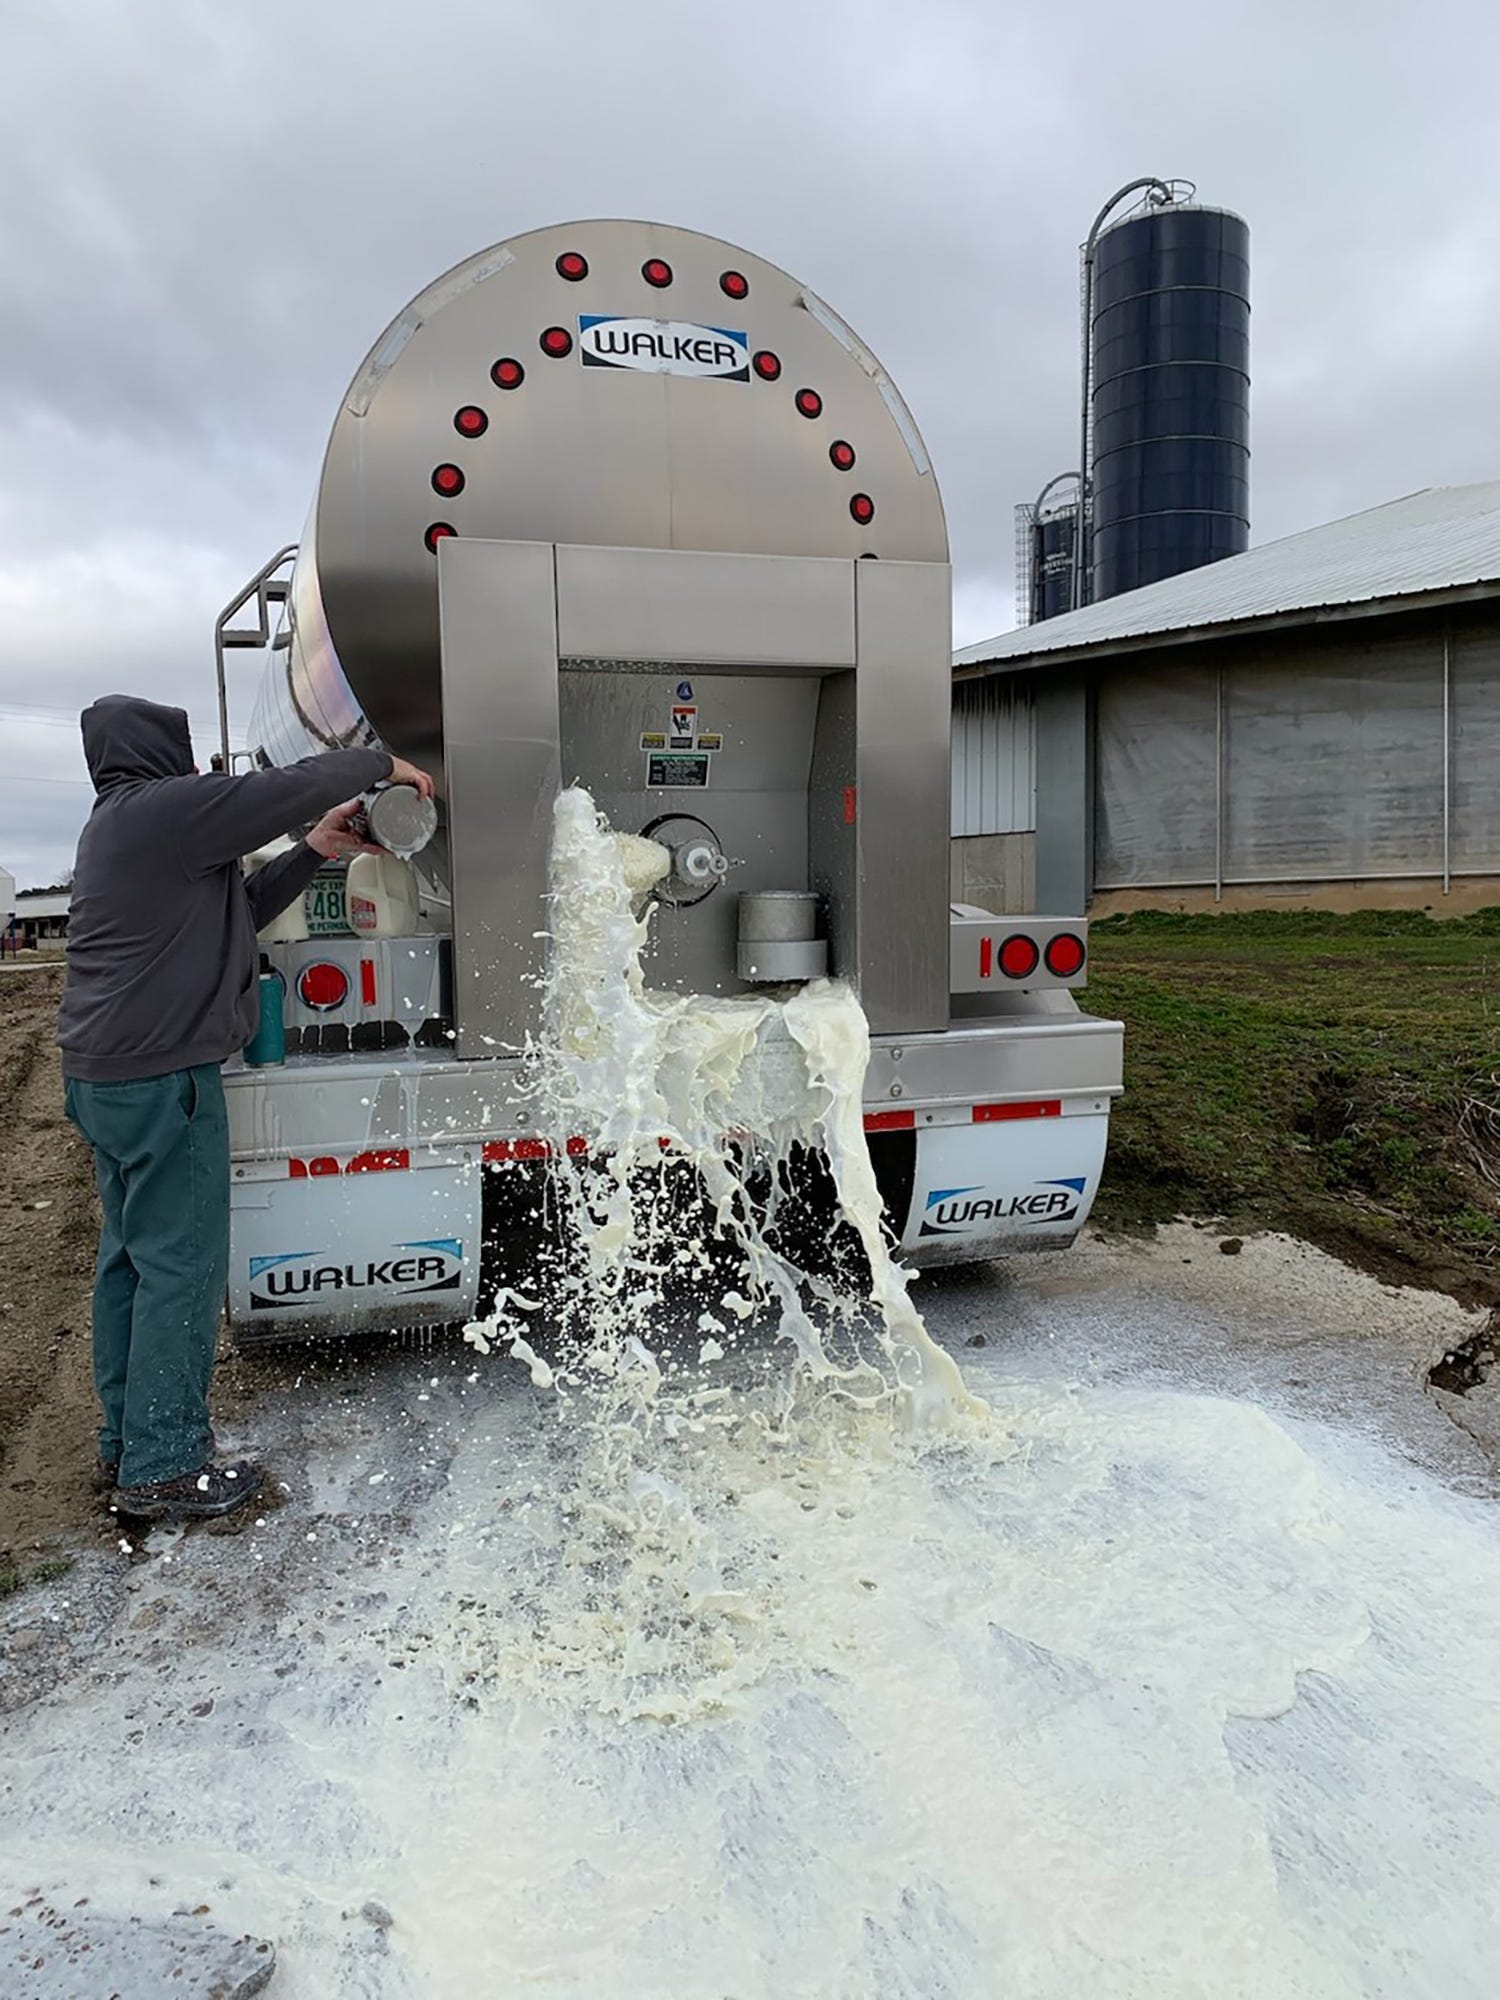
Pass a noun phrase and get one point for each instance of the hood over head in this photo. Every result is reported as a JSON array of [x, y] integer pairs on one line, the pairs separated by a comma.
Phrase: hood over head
[[126, 738]]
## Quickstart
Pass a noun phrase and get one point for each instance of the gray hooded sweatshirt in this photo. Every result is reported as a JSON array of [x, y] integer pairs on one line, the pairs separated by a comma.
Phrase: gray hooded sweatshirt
[[161, 928]]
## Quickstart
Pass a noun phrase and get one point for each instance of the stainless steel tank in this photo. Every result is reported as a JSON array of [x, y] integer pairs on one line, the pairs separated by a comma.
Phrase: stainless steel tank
[[599, 383]]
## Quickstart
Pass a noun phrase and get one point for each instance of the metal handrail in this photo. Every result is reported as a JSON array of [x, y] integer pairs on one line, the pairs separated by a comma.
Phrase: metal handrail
[[1159, 193], [267, 589]]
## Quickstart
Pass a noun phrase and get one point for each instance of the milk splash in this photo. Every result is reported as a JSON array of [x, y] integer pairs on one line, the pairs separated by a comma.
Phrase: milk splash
[[678, 1128]]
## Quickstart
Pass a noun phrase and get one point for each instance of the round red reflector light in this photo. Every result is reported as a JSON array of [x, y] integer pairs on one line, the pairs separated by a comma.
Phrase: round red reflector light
[[1065, 955], [572, 266], [862, 507], [471, 421], [841, 454], [438, 532], [447, 479], [809, 403], [734, 285], [507, 373], [1018, 957], [656, 272], [557, 341], [767, 365], [322, 986]]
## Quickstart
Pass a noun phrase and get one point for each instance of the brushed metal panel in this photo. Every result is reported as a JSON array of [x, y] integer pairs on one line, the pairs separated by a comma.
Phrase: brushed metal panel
[[832, 845], [575, 455], [1035, 1054], [702, 609], [902, 698], [755, 802], [497, 606]]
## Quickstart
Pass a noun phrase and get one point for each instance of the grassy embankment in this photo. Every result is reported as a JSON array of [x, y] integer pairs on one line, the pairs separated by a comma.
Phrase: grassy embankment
[[1338, 1077]]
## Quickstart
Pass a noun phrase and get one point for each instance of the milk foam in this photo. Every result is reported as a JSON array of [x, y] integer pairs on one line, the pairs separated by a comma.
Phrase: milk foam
[[697, 1113]]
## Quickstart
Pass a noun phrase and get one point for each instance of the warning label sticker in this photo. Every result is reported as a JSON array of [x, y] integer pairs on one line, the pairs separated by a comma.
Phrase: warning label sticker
[[686, 772]]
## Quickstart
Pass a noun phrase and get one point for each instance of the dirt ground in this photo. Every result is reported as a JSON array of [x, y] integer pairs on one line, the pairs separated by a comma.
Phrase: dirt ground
[[47, 1234]]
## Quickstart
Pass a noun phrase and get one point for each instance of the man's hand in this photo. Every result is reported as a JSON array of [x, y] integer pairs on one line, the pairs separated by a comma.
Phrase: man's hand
[[403, 773], [332, 838]]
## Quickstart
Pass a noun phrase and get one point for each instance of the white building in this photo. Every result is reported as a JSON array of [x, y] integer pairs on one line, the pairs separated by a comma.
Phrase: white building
[[1316, 721]]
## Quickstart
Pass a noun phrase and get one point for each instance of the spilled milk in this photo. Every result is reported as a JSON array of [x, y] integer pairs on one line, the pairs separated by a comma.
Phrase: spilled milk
[[662, 1112], [706, 1638]]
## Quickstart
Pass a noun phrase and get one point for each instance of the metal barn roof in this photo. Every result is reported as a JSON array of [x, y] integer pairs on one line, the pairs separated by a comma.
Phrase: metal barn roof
[[1443, 541]]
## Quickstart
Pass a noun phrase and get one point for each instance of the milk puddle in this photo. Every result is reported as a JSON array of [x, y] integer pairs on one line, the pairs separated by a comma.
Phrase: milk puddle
[[835, 1687]]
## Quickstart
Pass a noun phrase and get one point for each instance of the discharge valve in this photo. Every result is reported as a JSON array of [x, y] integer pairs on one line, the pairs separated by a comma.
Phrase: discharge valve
[[699, 863]]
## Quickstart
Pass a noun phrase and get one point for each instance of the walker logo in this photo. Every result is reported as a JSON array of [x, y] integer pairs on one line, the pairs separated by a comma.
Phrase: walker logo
[[663, 347], [970, 1211], [300, 1277]]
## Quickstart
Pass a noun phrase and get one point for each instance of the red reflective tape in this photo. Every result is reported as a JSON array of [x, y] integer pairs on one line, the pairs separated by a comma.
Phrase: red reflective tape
[[367, 985], [851, 804], [991, 1114], [986, 957], [497, 1150], [380, 1160], [890, 1121]]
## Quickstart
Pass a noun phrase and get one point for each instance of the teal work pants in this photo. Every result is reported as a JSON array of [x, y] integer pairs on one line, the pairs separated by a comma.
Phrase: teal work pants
[[161, 1159]]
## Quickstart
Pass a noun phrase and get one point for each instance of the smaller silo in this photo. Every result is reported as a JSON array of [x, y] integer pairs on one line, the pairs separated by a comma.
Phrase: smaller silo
[[1046, 551]]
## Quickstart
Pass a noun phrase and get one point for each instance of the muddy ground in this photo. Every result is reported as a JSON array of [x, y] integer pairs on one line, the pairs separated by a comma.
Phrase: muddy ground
[[47, 1233], [48, 1228]]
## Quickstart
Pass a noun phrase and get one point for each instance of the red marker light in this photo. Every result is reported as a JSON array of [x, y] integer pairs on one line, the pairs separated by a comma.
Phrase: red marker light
[[767, 365], [322, 986], [448, 480], [809, 403], [862, 507], [1018, 957], [1065, 955], [557, 341], [471, 421], [657, 272], [507, 373], [572, 266], [842, 455], [438, 532], [734, 285]]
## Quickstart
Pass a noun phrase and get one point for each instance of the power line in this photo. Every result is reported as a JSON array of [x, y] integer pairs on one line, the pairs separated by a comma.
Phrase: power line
[[20, 778], [36, 714]]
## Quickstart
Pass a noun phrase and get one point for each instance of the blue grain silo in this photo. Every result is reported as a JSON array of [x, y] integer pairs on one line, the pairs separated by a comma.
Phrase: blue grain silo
[[1167, 302]]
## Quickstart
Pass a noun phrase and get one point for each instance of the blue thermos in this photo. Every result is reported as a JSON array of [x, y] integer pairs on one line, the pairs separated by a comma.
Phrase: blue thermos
[[268, 1043]]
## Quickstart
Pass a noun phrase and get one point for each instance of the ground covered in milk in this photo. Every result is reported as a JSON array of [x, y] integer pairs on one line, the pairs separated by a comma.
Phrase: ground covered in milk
[[691, 1640], [1190, 1694]]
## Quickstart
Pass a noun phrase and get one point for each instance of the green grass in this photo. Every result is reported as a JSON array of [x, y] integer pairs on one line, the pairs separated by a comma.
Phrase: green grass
[[1334, 1076], [14, 1578]]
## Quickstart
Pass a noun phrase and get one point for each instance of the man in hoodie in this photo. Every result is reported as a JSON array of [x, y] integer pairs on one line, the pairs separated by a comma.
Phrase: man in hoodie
[[161, 987]]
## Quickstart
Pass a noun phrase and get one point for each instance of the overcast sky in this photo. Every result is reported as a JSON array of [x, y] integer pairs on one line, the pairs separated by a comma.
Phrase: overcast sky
[[210, 208]]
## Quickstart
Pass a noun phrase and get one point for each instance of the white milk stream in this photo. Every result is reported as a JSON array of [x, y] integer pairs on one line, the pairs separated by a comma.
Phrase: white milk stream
[[663, 1600]]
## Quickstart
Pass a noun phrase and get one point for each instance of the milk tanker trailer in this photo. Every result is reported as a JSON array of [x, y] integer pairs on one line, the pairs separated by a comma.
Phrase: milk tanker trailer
[[620, 505]]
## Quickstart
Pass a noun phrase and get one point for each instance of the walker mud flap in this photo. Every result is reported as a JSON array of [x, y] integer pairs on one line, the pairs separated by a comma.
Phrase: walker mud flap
[[963, 1193], [369, 1244]]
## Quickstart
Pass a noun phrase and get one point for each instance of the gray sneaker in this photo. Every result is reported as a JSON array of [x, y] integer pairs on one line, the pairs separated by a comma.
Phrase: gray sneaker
[[197, 1496]]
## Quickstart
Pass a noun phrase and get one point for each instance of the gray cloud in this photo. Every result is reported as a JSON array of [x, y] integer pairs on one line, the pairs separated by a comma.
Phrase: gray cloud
[[207, 221]]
